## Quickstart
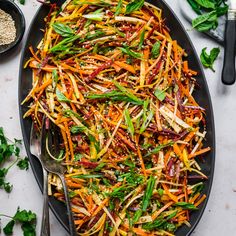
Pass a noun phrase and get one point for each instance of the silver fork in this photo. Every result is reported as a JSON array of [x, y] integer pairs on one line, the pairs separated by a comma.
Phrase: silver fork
[[35, 149], [50, 142]]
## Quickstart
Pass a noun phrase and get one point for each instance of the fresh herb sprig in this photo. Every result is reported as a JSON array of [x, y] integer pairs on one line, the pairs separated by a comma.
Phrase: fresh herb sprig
[[209, 59], [27, 220], [209, 11], [7, 151], [22, 2]]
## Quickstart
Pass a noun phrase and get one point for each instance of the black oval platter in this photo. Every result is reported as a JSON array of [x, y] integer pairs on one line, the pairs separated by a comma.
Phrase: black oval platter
[[202, 96]]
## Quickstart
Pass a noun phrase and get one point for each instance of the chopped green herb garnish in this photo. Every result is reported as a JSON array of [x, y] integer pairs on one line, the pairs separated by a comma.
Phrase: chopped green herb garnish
[[160, 94], [186, 205], [129, 122], [148, 193], [131, 53], [156, 49], [159, 148], [63, 29], [135, 5]]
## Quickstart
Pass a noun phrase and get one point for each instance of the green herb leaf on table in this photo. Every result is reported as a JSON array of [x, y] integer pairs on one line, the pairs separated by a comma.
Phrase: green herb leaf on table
[[208, 12], [206, 3], [23, 164], [8, 187], [209, 59], [6, 151], [22, 2], [24, 216], [206, 21], [28, 229], [27, 219], [195, 6], [222, 10], [134, 6], [8, 229]]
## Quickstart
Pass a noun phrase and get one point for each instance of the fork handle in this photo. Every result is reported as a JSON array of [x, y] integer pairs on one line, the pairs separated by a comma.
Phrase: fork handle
[[68, 206], [45, 227]]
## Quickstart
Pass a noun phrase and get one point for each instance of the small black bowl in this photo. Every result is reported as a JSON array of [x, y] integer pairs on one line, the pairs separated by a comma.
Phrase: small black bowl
[[12, 9]]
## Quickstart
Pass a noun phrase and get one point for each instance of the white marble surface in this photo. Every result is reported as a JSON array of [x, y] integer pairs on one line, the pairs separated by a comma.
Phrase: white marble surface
[[220, 214]]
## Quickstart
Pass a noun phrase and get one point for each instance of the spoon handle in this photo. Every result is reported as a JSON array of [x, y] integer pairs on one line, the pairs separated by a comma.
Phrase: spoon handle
[[45, 227], [68, 206]]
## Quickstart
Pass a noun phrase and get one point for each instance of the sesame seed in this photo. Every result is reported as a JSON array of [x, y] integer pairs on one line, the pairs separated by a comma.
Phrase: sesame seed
[[7, 28]]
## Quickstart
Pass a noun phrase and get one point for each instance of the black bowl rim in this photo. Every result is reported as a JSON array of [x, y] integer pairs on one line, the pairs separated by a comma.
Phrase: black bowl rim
[[19, 38], [213, 147]]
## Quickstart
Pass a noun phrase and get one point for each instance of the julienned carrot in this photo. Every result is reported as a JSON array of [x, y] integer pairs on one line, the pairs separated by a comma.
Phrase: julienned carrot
[[200, 152], [157, 213], [121, 91], [125, 66], [192, 200], [178, 151], [172, 196], [185, 66], [200, 200]]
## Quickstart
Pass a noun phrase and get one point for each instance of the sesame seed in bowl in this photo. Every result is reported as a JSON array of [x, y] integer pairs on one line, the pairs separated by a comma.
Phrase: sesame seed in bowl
[[12, 25]]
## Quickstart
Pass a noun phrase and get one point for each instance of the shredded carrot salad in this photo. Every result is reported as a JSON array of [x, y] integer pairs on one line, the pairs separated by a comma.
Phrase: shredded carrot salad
[[110, 76]]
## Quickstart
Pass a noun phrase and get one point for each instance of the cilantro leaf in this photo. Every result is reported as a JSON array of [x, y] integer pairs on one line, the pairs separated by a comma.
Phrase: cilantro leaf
[[22, 2], [209, 59], [24, 216], [28, 229], [8, 229], [23, 164], [8, 187], [3, 172], [27, 219]]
